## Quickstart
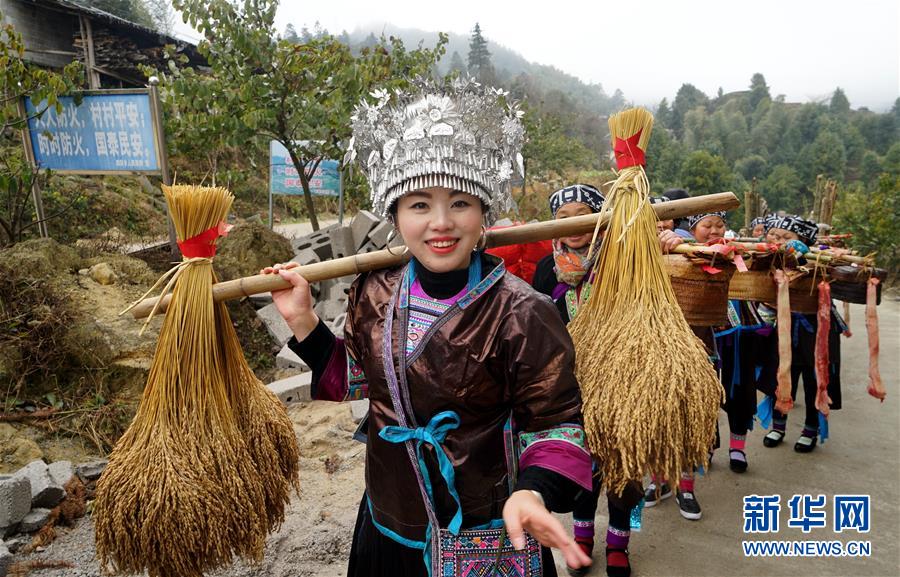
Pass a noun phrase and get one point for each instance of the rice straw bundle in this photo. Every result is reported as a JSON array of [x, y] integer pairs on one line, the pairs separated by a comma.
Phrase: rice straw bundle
[[181, 494], [263, 422], [650, 394]]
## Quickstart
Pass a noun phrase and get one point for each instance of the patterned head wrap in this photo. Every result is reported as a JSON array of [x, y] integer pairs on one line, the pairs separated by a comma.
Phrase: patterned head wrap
[[805, 229], [583, 193], [462, 136], [694, 219]]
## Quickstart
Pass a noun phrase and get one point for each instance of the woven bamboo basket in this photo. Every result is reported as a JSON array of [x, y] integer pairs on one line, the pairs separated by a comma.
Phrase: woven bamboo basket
[[849, 283], [757, 285], [703, 297]]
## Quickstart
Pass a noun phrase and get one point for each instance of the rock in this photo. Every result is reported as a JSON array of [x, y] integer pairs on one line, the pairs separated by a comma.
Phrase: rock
[[359, 409], [275, 324], [103, 273], [338, 290], [61, 472], [503, 222], [361, 225], [84, 271], [293, 389], [379, 235], [35, 520], [6, 560], [17, 543], [15, 502], [92, 470], [17, 451], [288, 359], [44, 492], [342, 243]]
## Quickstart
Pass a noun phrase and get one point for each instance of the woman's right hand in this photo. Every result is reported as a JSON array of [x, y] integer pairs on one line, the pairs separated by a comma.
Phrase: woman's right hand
[[296, 303]]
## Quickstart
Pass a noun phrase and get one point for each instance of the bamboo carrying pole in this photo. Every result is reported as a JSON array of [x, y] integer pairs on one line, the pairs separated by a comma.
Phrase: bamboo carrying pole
[[360, 263]]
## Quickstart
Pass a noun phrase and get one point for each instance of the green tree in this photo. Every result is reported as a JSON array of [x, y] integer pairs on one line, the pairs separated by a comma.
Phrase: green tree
[[457, 65], [18, 79], [750, 167], [688, 98], [891, 162], [162, 15], [784, 189], [665, 156], [479, 56], [549, 149], [870, 167], [301, 95], [874, 219], [759, 90], [663, 115], [828, 156], [839, 104], [705, 173], [290, 34]]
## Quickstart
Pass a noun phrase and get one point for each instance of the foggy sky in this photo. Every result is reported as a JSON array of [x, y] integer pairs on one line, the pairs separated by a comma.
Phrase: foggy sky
[[648, 48]]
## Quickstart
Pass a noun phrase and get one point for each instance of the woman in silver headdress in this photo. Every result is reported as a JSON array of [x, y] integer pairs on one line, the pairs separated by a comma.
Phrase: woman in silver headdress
[[474, 419]]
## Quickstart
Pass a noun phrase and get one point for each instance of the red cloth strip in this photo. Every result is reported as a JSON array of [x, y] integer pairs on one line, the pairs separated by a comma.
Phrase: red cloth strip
[[628, 153], [203, 245]]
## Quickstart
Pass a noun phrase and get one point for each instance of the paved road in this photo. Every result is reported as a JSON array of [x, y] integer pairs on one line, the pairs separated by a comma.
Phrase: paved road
[[861, 457]]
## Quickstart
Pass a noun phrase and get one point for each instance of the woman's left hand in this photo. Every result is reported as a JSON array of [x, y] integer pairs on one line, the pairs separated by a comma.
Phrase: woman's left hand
[[525, 512], [668, 240]]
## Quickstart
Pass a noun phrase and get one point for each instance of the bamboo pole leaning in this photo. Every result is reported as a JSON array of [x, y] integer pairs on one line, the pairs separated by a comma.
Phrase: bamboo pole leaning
[[247, 286]]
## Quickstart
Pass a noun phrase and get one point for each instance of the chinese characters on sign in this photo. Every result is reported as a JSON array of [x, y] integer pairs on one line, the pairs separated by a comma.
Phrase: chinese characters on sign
[[106, 133], [283, 177], [849, 513]]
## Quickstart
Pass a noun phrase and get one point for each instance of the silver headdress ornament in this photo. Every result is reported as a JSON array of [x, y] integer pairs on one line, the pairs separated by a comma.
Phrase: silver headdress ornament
[[462, 136]]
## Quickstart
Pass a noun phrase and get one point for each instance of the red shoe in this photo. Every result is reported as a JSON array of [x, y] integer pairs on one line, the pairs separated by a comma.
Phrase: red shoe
[[617, 564], [587, 547]]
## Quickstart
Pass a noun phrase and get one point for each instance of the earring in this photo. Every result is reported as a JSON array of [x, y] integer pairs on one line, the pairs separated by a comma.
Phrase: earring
[[482, 240]]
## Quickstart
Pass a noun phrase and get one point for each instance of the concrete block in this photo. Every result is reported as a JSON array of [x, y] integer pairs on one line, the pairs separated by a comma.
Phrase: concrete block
[[61, 472], [330, 309], [6, 559], [359, 409], [396, 241], [35, 520], [306, 256], [260, 300], [91, 470], [342, 243], [379, 235], [15, 501], [44, 492], [337, 325], [361, 225], [275, 324], [368, 247], [293, 389], [338, 290], [288, 359]]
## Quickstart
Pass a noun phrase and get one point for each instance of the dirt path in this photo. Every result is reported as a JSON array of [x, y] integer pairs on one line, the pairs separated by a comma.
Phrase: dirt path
[[859, 458]]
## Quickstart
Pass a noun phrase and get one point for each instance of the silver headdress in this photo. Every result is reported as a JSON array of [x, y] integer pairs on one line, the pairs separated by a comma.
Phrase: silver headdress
[[463, 136]]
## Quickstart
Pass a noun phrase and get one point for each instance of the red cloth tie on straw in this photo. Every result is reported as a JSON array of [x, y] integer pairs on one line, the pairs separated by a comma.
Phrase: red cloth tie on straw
[[627, 151], [203, 245]]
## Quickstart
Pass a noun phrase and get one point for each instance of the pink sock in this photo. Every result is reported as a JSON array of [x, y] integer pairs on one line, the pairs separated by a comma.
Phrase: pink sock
[[686, 484], [737, 442]]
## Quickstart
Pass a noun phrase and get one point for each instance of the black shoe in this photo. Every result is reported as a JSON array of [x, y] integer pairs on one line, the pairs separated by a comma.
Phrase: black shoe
[[737, 465], [805, 444], [615, 570], [773, 438], [652, 498], [688, 505]]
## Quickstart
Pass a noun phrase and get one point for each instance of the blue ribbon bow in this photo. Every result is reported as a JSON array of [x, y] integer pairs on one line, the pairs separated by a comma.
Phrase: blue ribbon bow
[[434, 434]]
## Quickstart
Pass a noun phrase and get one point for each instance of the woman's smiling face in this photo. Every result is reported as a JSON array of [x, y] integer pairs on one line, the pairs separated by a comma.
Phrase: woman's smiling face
[[440, 226]]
